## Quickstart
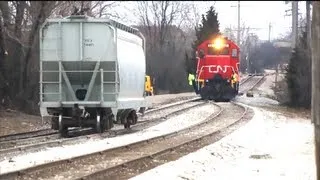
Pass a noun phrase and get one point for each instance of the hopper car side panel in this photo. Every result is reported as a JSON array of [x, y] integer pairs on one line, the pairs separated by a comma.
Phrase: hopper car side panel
[[132, 63], [91, 71], [72, 64]]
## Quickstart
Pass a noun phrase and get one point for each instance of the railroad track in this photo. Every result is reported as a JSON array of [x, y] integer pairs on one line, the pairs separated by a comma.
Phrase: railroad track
[[112, 163], [250, 83], [132, 162], [116, 162], [25, 135], [9, 149], [46, 132], [45, 135], [43, 169]]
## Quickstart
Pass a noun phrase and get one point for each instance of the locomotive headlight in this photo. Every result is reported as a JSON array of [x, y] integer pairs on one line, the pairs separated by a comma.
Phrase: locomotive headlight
[[218, 43]]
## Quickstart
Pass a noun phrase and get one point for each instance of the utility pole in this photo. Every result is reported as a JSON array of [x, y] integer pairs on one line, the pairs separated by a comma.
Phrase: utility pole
[[269, 32], [315, 100], [308, 25], [295, 15], [238, 33], [248, 53]]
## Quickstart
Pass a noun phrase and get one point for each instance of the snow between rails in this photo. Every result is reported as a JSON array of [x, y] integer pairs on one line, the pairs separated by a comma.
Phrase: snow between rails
[[175, 123], [270, 146]]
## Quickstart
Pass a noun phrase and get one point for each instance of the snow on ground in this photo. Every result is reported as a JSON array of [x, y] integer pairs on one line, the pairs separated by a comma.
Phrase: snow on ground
[[175, 123], [265, 89], [262, 92], [169, 98], [16, 122], [268, 147], [258, 101]]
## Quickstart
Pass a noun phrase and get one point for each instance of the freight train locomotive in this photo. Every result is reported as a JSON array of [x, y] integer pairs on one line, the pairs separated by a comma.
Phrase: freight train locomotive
[[217, 75], [92, 73]]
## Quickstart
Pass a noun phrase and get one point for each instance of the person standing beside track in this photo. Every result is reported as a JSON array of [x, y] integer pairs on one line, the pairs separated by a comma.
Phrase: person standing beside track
[[192, 81], [234, 80]]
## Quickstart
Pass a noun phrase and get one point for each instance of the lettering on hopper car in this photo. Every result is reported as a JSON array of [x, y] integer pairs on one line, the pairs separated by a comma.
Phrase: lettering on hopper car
[[88, 42]]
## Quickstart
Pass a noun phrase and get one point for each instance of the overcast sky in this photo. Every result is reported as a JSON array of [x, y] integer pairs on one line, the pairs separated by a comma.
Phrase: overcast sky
[[258, 14], [255, 14]]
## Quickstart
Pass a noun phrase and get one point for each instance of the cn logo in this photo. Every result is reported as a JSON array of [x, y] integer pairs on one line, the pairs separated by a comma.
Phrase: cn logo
[[219, 68]]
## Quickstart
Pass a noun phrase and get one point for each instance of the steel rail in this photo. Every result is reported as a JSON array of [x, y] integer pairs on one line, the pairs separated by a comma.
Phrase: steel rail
[[35, 170], [44, 143]]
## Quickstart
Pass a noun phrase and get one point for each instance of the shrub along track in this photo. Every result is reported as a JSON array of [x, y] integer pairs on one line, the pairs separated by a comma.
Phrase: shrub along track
[[155, 116]]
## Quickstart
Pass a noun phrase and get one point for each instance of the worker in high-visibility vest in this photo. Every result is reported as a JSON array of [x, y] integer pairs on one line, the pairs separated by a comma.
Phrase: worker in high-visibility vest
[[191, 78], [192, 82], [234, 79]]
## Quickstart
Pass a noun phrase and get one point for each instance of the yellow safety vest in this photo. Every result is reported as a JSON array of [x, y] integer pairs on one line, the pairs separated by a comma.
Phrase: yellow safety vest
[[234, 78], [190, 78]]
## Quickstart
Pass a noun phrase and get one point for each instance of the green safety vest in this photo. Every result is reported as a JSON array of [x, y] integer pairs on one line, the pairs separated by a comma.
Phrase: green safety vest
[[190, 78]]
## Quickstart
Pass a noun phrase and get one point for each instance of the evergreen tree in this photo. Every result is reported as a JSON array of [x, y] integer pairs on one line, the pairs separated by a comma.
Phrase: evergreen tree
[[298, 75], [209, 28]]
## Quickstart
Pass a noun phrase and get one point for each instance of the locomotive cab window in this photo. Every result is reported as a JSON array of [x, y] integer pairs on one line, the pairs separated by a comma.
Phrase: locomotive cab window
[[234, 53], [201, 53]]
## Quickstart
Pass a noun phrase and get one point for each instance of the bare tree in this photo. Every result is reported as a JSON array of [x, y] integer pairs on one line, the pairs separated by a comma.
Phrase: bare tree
[[158, 16], [92, 8], [19, 27], [248, 41], [161, 22], [20, 22]]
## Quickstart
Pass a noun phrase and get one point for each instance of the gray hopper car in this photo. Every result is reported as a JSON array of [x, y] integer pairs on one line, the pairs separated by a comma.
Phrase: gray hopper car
[[92, 73]]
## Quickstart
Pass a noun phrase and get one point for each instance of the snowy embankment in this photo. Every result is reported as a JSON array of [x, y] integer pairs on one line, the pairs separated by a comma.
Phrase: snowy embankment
[[175, 123], [270, 146]]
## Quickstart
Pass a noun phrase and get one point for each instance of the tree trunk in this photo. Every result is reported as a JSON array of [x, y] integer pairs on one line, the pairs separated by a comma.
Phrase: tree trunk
[[3, 52], [21, 5], [315, 104], [39, 19]]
